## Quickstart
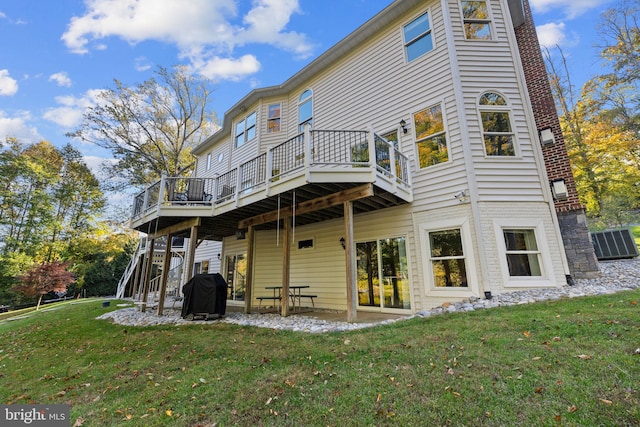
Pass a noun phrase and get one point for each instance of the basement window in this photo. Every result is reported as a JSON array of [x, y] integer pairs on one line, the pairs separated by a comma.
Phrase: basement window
[[305, 244]]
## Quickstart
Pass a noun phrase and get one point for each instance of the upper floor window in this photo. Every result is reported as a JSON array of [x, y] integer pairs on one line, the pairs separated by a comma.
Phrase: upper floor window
[[273, 118], [209, 161], [417, 37], [305, 109], [475, 15], [496, 125], [246, 129], [431, 138]]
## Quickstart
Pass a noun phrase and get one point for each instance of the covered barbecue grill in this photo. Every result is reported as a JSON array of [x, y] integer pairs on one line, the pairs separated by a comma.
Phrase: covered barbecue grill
[[205, 297]]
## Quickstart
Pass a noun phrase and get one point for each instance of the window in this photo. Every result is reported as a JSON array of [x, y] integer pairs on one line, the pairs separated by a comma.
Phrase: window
[[417, 37], [523, 255], [208, 161], [447, 259], [431, 138], [305, 244], [246, 129], [392, 137], [496, 125], [305, 109], [273, 118], [477, 24]]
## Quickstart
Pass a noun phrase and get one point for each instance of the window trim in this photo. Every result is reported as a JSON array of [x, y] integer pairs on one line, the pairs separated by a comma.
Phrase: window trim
[[445, 132], [428, 33], [488, 21], [467, 247], [507, 108], [245, 130], [547, 278]]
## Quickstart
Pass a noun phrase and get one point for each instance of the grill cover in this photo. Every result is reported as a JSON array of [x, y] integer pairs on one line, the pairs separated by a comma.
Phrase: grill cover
[[205, 295]]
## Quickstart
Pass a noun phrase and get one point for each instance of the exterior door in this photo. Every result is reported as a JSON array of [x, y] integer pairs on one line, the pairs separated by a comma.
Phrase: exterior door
[[236, 276], [383, 279]]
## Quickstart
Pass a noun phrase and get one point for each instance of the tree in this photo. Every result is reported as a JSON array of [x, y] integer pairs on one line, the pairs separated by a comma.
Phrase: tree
[[601, 124], [41, 279], [150, 128], [50, 196]]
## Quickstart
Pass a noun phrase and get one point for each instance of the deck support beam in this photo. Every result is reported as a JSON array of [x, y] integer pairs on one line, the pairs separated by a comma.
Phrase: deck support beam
[[352, 280], [166, 265], [248, 290], [286, 266]]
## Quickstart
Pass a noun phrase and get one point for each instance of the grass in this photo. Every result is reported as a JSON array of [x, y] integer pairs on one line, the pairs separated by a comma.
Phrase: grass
[[635, 230], [571, 363]]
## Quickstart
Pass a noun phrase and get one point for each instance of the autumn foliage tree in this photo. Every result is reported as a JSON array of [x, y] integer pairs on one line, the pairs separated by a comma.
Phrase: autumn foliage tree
[[41, 279], [601, 123]]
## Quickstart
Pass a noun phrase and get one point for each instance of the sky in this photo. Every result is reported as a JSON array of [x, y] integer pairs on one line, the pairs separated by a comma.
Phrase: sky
[[56, 56]]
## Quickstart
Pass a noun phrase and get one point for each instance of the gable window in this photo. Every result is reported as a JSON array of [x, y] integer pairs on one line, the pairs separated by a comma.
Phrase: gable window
[[475, 15], [417, 37], [246, 129], [431, 138], [448, 259], [523, 255], [273, 118], [305, 109], [497, 133]]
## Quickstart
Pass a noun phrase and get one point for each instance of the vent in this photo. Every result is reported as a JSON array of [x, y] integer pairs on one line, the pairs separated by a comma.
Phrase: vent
[[614, 244]]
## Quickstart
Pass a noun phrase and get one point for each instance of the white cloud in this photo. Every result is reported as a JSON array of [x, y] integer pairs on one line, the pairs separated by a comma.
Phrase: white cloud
[[142, 64], [18, 127], [203, 30], [8, 85], [69, 113], [61, 79], [551, 34], [570, 8], [218, 68]]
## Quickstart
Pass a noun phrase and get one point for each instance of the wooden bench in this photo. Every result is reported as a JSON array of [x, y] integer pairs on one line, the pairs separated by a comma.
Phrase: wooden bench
[[272, 298], [311, 297]]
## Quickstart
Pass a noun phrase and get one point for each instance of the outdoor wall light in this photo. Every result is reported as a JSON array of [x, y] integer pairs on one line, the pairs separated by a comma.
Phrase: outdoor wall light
[[342, 243], [461, 196], [403, 125], [559, 189], [546, 137]]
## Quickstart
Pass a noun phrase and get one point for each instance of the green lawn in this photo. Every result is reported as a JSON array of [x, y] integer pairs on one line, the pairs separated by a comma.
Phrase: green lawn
[[571, 362], [635, 230]]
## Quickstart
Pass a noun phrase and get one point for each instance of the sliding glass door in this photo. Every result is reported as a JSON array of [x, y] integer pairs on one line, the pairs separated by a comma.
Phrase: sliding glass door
[[383, 279]]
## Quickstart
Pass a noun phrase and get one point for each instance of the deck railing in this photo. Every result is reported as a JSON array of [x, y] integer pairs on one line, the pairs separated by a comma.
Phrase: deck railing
[[311, 149]]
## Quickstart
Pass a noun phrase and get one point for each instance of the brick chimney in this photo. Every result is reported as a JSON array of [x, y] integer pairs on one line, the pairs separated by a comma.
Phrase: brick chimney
[[571, 214]]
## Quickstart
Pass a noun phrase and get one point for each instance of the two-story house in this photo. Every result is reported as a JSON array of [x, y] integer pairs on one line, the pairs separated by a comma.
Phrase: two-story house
[[401, 169]]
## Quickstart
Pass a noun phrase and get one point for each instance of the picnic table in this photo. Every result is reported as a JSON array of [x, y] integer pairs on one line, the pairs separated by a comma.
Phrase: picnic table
[[295, 293]]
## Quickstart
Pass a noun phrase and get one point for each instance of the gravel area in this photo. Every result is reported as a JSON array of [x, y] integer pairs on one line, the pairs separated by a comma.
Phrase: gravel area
[[616, 276]]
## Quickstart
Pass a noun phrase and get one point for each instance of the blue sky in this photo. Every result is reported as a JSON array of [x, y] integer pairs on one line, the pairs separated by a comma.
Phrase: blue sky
[[56, 55]]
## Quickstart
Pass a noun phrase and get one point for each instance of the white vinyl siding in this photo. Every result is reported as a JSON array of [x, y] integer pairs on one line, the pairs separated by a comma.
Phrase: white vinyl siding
[[504, 178]]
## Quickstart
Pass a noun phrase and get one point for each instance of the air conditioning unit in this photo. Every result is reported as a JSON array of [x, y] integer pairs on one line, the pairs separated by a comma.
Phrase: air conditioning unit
[[614, 244]]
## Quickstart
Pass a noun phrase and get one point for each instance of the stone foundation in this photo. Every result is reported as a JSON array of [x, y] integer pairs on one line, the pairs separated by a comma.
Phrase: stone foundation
[[581, 256]]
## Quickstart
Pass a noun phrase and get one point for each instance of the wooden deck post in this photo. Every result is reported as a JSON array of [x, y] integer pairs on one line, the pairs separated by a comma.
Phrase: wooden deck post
[[146, 282], [189, 262], [352, 287], [166, 265], [248, 286], [286, 266]]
